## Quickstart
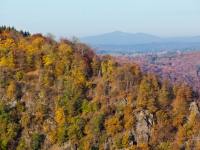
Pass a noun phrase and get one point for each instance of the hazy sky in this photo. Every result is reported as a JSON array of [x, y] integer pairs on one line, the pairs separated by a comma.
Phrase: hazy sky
[[165, 18]]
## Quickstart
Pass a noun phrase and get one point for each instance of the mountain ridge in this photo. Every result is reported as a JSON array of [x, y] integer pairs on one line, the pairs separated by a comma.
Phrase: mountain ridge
[[123, 38]]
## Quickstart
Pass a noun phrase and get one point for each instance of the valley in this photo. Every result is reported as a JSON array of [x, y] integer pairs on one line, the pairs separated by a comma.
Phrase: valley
[[178, 68]]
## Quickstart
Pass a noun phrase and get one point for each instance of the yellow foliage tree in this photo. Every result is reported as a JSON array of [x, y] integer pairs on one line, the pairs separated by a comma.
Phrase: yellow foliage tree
[[145, 86], [25, 119], [125, 141], [129, 118], [60, 117], [9, 43], [22, 44], [95, 65], [3, 61], [53, 136], [38, 42], [107, 69], [49, 58], [7, 60], [12, 91], [161, 116], [143, 146], [163, 96], [113, 125], [65, 54], [10, 60], [59, 69]]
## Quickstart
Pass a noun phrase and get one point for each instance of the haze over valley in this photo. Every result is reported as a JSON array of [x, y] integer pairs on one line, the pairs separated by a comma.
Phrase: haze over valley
[[120, 42]]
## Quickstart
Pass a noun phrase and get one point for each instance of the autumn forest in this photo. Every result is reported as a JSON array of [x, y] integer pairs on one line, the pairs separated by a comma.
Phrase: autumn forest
[[61, 95]]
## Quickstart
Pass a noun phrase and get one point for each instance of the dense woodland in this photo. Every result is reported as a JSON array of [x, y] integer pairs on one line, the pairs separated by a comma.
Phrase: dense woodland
[[178, 68], [61, 95]]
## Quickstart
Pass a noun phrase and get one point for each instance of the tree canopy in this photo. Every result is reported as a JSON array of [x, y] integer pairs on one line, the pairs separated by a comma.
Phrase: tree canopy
[[59, 94]]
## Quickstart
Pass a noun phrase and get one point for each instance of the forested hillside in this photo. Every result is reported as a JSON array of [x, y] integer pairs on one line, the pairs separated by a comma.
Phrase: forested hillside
[[61, 95]]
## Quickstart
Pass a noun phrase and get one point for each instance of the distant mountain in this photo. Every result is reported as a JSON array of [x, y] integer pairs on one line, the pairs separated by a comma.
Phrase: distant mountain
[[121, 38]]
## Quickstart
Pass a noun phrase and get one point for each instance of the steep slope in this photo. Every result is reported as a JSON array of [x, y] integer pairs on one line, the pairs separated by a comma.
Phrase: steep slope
[[61, 95]]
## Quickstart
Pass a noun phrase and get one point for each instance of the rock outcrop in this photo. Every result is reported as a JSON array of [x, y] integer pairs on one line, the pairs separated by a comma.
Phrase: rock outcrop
[[194, 108], [144, 122]]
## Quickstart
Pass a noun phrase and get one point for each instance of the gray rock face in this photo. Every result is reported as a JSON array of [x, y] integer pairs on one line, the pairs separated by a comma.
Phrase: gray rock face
[[193, 108], [13, 103], [144, 122], [68, 146], [194, 111], [2, 93]]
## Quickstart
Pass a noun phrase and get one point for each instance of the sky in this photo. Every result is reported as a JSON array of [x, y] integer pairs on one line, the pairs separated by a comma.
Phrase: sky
[[81, 18]]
